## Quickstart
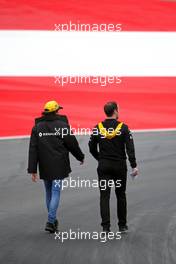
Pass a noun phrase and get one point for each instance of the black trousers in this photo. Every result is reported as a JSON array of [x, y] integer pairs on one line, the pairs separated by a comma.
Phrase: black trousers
[[110, 171]]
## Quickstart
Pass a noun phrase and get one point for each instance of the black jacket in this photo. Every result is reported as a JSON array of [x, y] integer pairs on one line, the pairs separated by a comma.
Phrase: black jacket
[[115, 148], [58, 117], [49, 148]]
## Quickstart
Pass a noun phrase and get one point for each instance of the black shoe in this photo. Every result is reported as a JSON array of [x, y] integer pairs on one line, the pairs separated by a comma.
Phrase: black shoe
[[123, 229], [105, 233], [56, 225], [106, 229], [50, 227]]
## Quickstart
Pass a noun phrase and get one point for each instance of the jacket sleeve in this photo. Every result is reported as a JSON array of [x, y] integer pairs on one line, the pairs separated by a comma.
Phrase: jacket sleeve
[[72, 145], [129, 143], [93, 145], [33, 152]]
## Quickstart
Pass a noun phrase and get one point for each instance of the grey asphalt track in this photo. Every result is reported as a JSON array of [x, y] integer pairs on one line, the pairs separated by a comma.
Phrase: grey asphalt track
[[151, 209]]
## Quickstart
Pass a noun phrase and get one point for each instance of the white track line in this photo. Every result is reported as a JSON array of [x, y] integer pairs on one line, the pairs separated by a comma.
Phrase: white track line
[[51, 53], [134, 131], [153, 130], [15, 137]]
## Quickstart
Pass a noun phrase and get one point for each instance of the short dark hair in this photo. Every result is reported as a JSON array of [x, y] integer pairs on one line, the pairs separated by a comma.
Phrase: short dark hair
[[109, 108], [50, 113]]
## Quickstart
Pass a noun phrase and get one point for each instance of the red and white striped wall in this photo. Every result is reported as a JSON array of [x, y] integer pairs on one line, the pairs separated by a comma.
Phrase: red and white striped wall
[[143, 55]]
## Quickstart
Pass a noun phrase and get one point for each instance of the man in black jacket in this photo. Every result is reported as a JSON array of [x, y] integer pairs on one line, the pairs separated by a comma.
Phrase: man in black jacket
[[50, 143], [114, 140]]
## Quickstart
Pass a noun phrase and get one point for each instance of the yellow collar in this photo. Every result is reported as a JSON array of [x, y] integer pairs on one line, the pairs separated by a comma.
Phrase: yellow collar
[[109, 135]]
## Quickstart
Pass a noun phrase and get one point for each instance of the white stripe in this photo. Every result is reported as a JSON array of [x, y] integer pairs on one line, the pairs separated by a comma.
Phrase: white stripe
[[134, 131], [154, 130], [51, 53], [15, 137]]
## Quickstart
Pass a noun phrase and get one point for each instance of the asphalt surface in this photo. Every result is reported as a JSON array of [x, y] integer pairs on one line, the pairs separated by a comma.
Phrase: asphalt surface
[[151, 209]]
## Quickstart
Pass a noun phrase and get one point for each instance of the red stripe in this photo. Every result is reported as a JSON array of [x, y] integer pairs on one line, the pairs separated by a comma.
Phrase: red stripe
[[137, 15], [144, 102]]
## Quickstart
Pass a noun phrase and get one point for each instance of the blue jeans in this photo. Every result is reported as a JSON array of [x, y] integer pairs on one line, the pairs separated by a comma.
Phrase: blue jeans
[[53, 190]]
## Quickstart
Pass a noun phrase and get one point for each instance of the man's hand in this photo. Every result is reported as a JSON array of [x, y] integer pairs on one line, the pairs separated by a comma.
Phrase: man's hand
[[82, 162], [34, 177], [135, 172]]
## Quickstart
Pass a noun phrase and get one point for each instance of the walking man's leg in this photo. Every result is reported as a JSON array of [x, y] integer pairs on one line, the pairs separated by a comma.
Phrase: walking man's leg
[[53, 190], [105, 208], [122, 203], [55, 199], [105, 192], [48, 187]]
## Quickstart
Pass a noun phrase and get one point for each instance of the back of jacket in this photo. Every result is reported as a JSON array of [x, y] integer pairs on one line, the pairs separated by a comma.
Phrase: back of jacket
[[114, 148], [58, 117], [50, 144]]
